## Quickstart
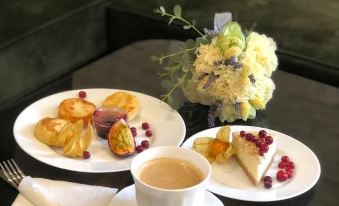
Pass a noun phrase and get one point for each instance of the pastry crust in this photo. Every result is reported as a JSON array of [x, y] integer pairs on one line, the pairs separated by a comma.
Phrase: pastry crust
[[74, 109], [123, 100]]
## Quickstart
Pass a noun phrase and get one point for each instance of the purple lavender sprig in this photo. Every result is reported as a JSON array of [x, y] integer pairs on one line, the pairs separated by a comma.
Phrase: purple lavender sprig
[[211, 78], [214, 111], [233, 61]]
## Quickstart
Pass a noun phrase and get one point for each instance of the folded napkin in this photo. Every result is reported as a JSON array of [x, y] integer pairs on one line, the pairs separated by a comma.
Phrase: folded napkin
[[44, 192]]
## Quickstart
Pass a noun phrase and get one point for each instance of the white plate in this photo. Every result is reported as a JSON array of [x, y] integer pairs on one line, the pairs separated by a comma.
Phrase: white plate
[[167, 125], [229, 180], [126, 197]]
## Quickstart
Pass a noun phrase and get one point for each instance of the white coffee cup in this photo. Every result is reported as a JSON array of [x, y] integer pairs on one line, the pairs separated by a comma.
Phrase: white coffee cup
[[147, 195]]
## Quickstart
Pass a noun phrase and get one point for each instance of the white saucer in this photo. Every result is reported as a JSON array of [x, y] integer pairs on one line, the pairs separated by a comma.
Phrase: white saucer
[[126, 197]]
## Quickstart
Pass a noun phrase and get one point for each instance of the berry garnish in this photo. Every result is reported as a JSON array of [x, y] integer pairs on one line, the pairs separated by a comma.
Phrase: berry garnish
[[282, 176], [125, 117], [269, 139], [261, 153], [96, 113], [282, 165], [145, 144], [249, 137], [242, 133], [290, 164], [263, 148], [134, 131], [268, 184], [259, 142], [148, 133], [145, 125], [139, 148], [86, 154], [82, 94], [285, 158], [289, 173], [262, 133], [267, 178]]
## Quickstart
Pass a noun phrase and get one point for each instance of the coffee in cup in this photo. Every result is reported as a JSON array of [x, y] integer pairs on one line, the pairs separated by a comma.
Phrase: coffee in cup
[[170, 176]]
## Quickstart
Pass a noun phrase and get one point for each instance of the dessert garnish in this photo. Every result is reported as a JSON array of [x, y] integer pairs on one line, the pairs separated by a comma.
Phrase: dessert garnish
[[82, 94], [217, 149], [286, 167], [86, 154], [148, 133], [145, 125]]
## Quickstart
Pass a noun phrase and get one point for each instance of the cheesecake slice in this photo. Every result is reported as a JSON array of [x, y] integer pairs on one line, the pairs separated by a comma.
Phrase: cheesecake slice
[[254, 154]]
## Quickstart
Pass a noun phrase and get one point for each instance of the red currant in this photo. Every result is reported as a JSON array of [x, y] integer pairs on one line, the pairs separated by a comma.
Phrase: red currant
[[262, 133], [260, 142], [261, 153], [145, 144], [125, 117], [269, 139], [282, 165], [82, 94], [149, 133], [291, 165], [86, 154], [242, 133], [285, 158], [145, 125], [264, 148], [282, 176], [140, 148], [289, 173], [134, 131], [267, 178], [249, 137], [268, 184]]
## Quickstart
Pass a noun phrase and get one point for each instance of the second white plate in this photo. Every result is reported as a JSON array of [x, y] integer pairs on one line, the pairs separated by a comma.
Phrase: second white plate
[[229, 180]]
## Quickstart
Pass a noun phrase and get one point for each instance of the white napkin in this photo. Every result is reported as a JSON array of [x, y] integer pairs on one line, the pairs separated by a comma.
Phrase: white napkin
[[44, 192]]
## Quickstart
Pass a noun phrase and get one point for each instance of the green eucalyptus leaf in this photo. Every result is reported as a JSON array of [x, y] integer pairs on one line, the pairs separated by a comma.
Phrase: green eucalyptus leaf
[[167, 84], [173, 102], [186, 27], [201, 40], [190, 43], [177, 11], [162, 9]]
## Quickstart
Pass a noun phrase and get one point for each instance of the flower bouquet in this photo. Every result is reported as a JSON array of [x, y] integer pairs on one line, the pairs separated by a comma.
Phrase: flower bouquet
[[225, 68]]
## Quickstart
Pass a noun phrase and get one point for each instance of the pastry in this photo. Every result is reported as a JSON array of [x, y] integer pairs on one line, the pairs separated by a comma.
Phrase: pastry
[[254, 153], [47, 130], [123, 100], [74, 109]]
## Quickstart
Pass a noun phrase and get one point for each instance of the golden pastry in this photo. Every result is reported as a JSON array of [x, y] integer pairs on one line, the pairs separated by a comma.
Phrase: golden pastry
[[125, 101], [75, 109]]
